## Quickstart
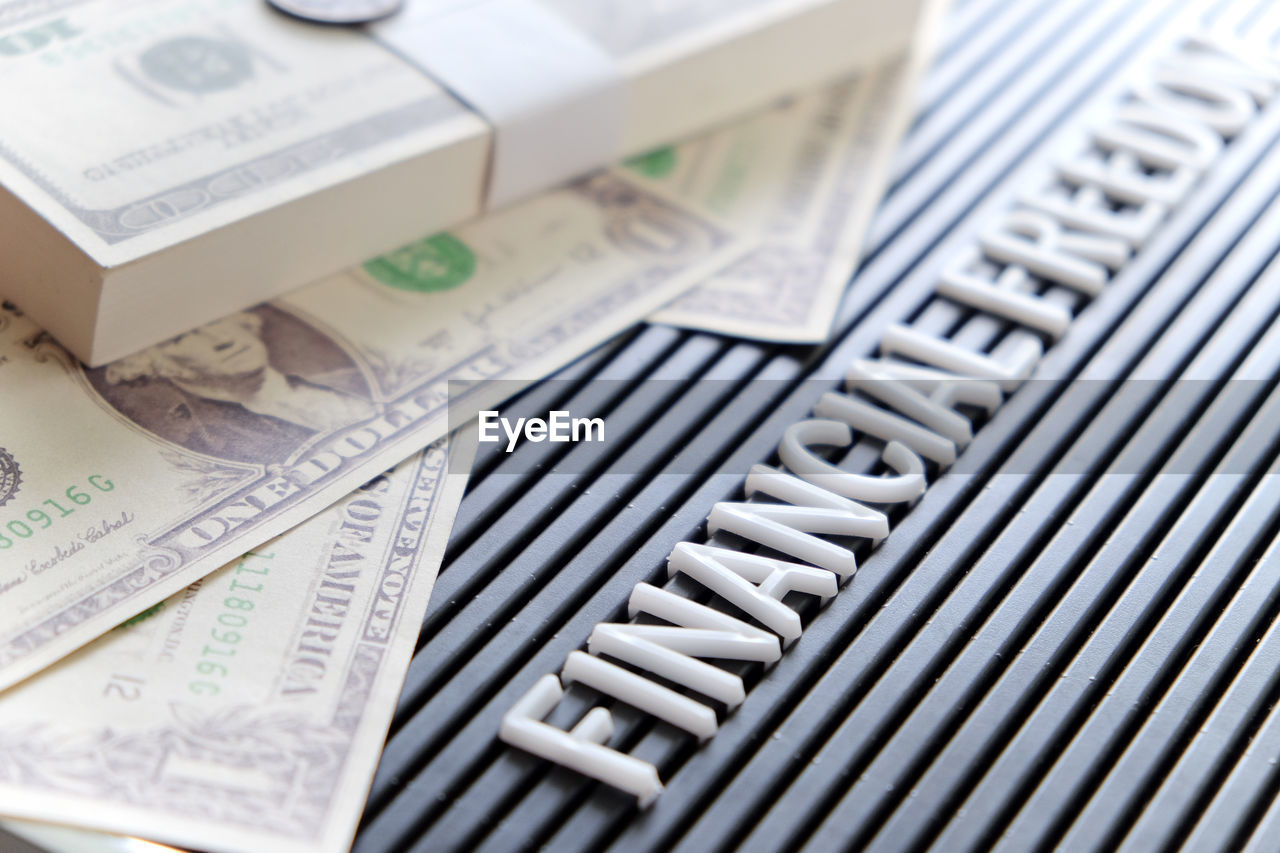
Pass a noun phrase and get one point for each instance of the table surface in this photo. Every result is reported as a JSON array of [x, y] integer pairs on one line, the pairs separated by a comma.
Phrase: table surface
[[1081, 659]]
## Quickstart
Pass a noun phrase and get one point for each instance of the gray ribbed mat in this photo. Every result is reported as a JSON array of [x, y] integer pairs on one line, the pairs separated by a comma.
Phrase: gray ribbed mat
[[1083, 660]]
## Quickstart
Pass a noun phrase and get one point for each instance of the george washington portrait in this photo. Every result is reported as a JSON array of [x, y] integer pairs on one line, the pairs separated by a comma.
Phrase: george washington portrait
[[252, 387]]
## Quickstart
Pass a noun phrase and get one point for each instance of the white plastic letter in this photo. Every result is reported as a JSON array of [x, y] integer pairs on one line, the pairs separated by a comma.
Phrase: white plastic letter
[[671, 652], [753, 583], [580, 748], [794, 452], [937, 352], [1005, 297], [649, 696]]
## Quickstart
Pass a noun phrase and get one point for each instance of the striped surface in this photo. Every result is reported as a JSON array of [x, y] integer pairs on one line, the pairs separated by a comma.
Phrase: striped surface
[[1084, 659]]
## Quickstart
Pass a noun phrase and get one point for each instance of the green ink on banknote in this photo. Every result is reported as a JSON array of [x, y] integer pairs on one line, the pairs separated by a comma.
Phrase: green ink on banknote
[[440, 262], [733, 177], [215, 664], [658, 163], [36, 520], [141, 617]]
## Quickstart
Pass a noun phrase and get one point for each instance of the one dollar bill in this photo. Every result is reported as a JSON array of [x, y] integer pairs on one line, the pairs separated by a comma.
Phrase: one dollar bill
[[247, 712], [121, 485], [802, 180]]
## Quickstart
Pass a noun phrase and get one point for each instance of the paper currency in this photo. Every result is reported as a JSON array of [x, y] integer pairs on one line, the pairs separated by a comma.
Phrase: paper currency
[[199, 107], [199, 156], [121, 485], [802, 180], [20, 836], [209, 110], [247, 712]]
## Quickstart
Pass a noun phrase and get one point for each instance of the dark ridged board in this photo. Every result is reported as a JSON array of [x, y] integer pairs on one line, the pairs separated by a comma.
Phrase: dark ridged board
[[1071, 644]]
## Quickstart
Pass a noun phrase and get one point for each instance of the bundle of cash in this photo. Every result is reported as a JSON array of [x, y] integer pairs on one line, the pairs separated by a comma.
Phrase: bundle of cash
[[215, 553], [167, 162]]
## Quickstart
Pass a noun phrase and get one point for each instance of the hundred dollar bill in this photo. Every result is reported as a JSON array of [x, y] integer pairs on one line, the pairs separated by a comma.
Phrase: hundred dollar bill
[[247, 712], [121, 485], [803, 179]]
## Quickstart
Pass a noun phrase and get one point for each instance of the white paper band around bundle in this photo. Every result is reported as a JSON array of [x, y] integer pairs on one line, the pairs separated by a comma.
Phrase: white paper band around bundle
[[530, 75]]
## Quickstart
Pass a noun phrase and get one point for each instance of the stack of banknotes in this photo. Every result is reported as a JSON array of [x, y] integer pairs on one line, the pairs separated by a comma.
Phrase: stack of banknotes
[[166, 162], [210, 582]]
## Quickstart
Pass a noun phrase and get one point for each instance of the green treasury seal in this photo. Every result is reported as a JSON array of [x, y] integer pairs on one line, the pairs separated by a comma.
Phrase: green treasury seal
[[656, 164], [440, 262]]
